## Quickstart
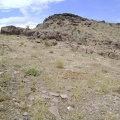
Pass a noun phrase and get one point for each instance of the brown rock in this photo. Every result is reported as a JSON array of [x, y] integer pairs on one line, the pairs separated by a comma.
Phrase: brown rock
[[12, 30], [114, 55], [28, 32]]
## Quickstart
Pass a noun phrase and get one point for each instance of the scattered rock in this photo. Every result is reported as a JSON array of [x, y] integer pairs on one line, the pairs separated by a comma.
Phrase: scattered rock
[[45, 96], [31, 98], [63, 96], [16, 72], [55, 100], [14, 99], [20, 119], [1, 73], [29, 105], [25, 113], [69, 108], [21, 104], [44, 91], [14, 93], [25, 80], [55, 112], [38, 41], [54, 94]]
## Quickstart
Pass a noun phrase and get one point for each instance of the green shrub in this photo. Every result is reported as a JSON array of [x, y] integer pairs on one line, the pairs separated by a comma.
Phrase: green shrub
[[32, 72]]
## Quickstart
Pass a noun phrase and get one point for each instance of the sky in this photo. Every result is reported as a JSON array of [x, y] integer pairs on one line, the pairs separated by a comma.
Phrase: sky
[[32, 12]]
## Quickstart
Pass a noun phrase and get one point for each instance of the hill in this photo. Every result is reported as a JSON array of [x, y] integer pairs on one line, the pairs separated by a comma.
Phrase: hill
[[67, 68], [82, 34]]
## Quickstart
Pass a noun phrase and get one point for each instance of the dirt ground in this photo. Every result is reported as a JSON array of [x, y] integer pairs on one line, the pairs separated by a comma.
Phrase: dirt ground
[[42, 82]]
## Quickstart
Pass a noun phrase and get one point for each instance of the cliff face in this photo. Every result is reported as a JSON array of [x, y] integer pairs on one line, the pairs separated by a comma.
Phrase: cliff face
[[82, 34]]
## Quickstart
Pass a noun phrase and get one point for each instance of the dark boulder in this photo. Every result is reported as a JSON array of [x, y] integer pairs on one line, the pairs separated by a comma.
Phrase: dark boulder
[[28, 32], [11, 30]]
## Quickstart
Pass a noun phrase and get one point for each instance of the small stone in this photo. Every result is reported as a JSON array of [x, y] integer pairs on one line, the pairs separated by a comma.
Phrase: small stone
[[16, 72], [52, 104], [21, 104], [31, 98], [55, 100], [54, 94], [25, 114], [14, 99], [63, 96], [69, 108], [44, 91], [54, 111], [37, 41], [1, 73], [20, 119], [26, 80], [29, 105], [14, 93], [42, 87], [45, 96]]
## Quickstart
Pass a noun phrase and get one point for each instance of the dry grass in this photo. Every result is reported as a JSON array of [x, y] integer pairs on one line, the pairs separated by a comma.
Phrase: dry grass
[[4, 97], [38, 110], [60, 65], [81, 77]]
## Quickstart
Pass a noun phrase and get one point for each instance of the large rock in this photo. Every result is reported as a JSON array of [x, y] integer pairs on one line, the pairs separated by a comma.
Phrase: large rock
[[11, 30], [48, 35], [28, 32]]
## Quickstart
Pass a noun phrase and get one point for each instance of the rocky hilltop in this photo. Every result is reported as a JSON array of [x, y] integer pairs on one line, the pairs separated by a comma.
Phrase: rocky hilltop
[[81, 34]]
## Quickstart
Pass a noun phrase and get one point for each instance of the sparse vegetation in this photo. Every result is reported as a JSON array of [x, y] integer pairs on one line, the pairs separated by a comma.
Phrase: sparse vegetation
[[38, 110], [34, 54], [3, 96], [90, 81], [60, 64], [33, 72], [104, 86]]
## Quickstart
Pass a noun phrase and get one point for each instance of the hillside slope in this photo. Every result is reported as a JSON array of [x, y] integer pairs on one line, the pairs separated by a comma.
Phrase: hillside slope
[[60, 70], [86, 35], [82, 34], [43, 82]]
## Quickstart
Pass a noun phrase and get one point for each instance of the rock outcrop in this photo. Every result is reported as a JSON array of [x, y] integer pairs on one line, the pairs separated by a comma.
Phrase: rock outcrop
[[12, 30]]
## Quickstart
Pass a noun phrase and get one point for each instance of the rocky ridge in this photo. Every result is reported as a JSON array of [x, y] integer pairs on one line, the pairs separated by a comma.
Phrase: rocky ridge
[[81, 34]]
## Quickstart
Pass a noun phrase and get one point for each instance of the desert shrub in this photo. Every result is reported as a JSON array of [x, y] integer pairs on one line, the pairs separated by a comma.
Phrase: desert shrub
[[32, 72]]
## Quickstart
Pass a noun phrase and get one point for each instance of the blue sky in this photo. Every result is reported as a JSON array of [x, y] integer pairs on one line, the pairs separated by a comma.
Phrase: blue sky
[[32, 12]]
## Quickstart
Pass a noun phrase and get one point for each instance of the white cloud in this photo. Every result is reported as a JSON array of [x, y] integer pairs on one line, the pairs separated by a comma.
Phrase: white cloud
[[19, 21], [27, 8], [26, 5], [13, 20]]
